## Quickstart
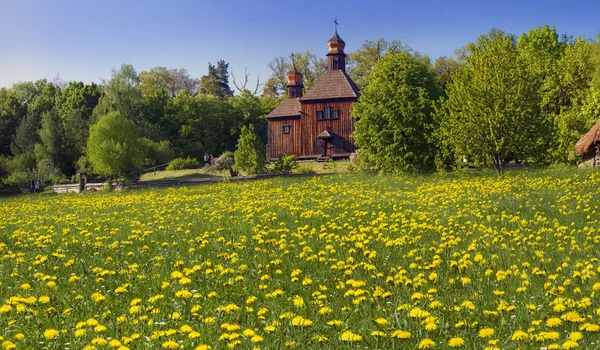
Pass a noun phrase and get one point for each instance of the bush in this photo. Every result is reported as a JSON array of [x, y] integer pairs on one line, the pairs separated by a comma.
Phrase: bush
[[304, 170], [285, 164], [183, 163], [226, 162]]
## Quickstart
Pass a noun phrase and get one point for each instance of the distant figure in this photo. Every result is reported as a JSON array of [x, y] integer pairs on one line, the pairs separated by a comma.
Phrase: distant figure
[[32, 188], [206, 159], [37, 186], [212, 160]]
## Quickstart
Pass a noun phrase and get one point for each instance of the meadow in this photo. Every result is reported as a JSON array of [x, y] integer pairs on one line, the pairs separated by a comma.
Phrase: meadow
[[469, 261]]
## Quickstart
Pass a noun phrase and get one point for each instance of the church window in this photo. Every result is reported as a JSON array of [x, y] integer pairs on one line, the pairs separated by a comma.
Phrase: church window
[[319, 115], [335, 64], [286, 128], [293, 93], [335, 114], [327, 113]]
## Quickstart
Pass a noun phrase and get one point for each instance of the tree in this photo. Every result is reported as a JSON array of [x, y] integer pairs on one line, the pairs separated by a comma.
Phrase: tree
[[311, 67], [362, 61], [173, 81], [216, 83], [252, 112], [250, 154], [114, 148], [11, 113], [206, 124], [394, 115], [491, 114], [444, 68], [121, 94], [566, 93], [75, 106]]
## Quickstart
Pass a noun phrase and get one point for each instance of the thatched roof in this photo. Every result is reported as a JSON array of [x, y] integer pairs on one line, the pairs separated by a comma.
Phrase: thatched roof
[[589, 139]]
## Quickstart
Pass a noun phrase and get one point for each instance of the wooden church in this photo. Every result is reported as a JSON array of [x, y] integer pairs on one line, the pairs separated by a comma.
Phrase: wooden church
[[316, 124]]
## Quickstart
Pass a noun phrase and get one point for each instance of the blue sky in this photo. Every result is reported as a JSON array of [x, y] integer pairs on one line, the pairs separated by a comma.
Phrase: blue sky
[[83, 40]]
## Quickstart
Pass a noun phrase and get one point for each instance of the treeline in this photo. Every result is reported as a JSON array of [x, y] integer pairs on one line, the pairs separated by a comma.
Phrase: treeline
[[152, 117], [525, 99], [501, 99]]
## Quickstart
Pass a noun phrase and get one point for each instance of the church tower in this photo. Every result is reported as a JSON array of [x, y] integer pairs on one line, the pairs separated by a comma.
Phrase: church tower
[[336, 58], [295, 83]]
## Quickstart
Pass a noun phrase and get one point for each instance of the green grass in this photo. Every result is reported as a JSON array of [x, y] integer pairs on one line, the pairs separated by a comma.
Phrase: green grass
[[190, 174], [439, 256]]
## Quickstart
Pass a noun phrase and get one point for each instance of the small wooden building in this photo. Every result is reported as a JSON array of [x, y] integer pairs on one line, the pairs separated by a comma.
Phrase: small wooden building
[[589, 146], [317, 124]]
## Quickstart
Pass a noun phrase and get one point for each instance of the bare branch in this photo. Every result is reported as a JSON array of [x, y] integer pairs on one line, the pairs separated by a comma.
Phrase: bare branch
[[242, 87]]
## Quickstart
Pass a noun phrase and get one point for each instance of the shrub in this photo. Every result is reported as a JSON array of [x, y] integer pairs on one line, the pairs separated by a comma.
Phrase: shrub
[[226, 162], [183, 163], [285, 164], [304, 170]]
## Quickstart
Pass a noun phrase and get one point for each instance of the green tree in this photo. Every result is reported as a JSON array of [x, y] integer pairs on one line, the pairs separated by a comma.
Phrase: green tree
[[444, 68], [362, 61], [491, 114], [172, 81], [394, 115], [206, 124], [567, 92], [75, 106], [250, 154], [311, 67], [114, 148], [216, 82], [11, 113], [121, 94], [251, 111]]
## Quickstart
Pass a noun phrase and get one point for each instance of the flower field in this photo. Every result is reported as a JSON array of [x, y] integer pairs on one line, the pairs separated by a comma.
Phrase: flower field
[[345, 261]]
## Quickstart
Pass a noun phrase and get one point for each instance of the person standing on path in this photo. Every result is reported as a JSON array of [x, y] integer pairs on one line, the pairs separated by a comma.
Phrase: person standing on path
[[37, 186]]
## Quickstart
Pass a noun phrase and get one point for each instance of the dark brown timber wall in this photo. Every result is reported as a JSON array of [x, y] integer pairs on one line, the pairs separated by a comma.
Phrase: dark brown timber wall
[[343, 144], [280, 143]]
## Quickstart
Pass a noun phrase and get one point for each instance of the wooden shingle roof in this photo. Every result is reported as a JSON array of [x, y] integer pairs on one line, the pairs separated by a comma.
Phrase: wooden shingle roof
[[333, 84], [288, 108]]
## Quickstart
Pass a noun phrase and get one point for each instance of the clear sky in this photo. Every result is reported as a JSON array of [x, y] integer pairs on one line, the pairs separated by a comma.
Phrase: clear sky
[[83, 39]]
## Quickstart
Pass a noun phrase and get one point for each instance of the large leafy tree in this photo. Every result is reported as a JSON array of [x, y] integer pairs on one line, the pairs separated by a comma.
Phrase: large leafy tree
[[207, 124], [362, 61], [491, 114], [114, 148], [394, 115]]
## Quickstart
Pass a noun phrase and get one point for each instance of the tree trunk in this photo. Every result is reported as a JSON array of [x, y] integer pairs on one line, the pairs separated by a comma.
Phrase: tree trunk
[[499, 165]]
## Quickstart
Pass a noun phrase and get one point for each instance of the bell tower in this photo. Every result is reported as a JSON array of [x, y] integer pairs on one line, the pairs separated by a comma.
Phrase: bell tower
[[336, 58]]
